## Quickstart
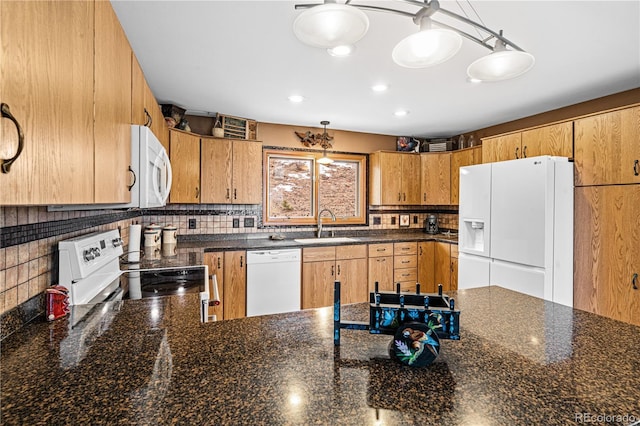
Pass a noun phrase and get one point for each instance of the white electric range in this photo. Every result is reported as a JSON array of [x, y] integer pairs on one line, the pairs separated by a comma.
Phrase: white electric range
[[89, 267]]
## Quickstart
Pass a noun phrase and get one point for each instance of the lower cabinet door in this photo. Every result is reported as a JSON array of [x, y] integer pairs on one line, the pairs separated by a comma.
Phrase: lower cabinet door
[[235, 284], [352, 275], [317, 284], [381, 271]]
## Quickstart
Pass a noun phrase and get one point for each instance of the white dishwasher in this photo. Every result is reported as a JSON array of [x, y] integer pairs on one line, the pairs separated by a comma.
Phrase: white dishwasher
[[273, 281]]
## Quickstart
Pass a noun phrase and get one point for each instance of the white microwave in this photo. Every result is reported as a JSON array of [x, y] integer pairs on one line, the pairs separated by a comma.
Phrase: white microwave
[[151, 171]]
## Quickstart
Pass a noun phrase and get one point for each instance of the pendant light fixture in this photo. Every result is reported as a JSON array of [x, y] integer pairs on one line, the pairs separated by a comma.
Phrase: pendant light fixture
[[325, 143], [502, 64], [429, 46], [332, 24]]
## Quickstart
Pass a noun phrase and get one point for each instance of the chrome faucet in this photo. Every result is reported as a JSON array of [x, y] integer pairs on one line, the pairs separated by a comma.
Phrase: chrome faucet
[[333, 218]]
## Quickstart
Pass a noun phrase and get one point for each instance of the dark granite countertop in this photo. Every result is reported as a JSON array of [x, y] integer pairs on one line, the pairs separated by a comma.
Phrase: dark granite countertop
[[520, 361], [258, 242]]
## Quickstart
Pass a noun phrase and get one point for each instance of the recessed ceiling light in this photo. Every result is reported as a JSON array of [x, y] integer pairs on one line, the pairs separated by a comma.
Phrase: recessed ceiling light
[[296, 98], [401, 113], [341, 51], [379, 87]]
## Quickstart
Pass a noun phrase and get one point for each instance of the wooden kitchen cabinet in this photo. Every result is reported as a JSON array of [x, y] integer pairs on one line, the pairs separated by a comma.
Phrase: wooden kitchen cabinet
[[462, 158], [235, 284], [321, 266], [501, 148], [215, 262], [381, 267], [436, 178], [607, 259], [46, 79], [426, 266], [454, 267], [145, 110], [112, 106], [231, 171], [185, 163], [405, 265], [394, 178], [607, 150], [443, 269], [555, 139]]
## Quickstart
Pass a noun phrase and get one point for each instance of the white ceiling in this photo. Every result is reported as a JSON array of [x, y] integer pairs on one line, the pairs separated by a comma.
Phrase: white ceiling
[[241, 58]]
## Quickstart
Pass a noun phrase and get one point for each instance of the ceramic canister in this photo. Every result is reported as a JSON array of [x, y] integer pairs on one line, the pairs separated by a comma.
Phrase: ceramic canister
[[169, 235], [157, 230]]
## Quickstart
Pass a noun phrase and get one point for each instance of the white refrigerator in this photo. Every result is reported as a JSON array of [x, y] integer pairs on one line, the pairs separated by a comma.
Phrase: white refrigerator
[[516, 227]]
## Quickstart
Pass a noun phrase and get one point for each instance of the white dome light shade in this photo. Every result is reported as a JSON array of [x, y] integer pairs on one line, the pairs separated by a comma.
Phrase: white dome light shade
[[501, 65], [426, 48], [330, 25]]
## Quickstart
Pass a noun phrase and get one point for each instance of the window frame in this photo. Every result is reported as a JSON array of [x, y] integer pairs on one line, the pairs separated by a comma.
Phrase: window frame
[[361, 159]]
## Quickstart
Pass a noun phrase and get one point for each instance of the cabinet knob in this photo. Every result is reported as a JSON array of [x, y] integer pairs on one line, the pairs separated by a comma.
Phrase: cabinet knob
[[6, 164], [235, 194], [338, 269], [517, 149], [241, 261], [634, 281], [197, 192], [399, 196], [524, 152], [332, 270], [636, 170], [228, 195]]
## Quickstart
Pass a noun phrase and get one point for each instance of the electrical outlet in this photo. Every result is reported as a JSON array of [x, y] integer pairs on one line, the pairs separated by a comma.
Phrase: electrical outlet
[[248, 222], [236, 223], [192, 224], [377, 220], [415, 219], [393, 220]]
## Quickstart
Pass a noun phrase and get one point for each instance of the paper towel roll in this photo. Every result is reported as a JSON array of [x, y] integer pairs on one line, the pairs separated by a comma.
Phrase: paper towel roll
[[134, 243]]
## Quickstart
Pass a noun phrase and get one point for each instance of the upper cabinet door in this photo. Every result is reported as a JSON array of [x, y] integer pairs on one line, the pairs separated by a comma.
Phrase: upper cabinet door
[[185, 164], [247, 172], [556, 140], [607, 150], [138, 84], [391, 178], [459, 159], [46, 79], [112, 107], [411, 171], [436, 179], [502, 148], [215, 174]]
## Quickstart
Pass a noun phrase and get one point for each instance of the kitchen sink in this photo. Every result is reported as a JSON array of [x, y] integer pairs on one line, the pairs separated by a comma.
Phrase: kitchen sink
[[328, 240]]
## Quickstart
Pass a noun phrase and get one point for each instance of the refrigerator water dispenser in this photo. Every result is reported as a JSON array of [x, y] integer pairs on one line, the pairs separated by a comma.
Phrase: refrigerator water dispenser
[[474, 235]]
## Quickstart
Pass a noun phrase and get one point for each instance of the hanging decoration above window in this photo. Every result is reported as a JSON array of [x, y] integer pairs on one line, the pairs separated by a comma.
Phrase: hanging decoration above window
[[309, 139]]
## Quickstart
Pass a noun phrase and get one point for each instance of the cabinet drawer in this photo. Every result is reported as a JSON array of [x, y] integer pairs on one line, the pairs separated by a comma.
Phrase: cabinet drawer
[[380, 250], [454, 250], [407, 286], [405, 248], [351, 252], [409, 261], [406, 274], [315, 254]]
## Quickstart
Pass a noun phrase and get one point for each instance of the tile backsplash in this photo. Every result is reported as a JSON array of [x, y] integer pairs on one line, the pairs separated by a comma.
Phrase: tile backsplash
[[29, 238]]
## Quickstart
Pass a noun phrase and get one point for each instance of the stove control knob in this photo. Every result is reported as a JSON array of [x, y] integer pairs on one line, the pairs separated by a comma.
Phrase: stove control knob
[[117, 242], [88, 255], [95, 251]]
